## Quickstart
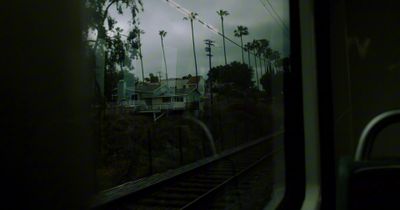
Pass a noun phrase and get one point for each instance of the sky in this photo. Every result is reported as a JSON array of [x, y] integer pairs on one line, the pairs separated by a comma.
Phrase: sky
[[159, 15]]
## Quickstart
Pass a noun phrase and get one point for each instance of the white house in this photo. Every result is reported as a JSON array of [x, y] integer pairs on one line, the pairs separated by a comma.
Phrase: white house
[[189, 83], [155, 97]]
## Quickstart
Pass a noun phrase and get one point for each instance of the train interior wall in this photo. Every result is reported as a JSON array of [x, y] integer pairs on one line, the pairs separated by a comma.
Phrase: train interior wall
[[365, 72]]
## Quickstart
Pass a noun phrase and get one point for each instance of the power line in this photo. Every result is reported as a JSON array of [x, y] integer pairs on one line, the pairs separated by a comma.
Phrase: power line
[[279, 17], [284, 28], [273, 16], [210, 27]]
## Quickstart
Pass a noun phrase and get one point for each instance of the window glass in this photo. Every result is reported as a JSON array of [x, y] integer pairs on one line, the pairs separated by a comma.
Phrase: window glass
[[205, 78]]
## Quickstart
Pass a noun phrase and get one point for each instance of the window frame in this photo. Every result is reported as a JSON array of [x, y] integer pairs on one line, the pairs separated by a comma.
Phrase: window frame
[[294, 139]]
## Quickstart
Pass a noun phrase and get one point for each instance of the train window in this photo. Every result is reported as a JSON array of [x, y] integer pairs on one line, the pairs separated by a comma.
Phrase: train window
[[219, 143]]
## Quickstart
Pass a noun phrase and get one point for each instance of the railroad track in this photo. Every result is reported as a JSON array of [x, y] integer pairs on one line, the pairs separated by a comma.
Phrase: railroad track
[[240, 178]]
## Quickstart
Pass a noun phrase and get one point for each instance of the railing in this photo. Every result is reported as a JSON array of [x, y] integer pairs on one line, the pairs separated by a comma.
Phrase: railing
[[163, 106], [141, 105]]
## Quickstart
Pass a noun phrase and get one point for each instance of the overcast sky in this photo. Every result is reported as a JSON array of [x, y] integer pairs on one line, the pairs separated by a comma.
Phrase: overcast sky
[[159, 15]]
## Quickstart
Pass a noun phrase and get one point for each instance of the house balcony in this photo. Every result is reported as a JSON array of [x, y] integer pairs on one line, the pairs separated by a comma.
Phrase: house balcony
[[141, 106]]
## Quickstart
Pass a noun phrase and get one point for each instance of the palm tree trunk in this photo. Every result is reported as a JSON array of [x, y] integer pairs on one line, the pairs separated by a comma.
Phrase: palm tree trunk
[[223, 38], [270, 66], [194, 54], [96, 44], [265, 66], [274, 67], [122, 70], [255, 63], [241, 45], [210, 66], [165, 61], [141, 56], [248, 56]]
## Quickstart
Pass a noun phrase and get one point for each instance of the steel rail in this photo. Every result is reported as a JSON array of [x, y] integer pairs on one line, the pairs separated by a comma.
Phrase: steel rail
[[134, 187], [221, 186]]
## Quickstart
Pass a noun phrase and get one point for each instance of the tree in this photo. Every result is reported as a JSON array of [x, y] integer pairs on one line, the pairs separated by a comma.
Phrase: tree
[[266, 82], [97, 19], [134, 38], [119, 49], [286, 64], [254, 47], [273, 83], [241, 31], [223, 13], [263, 47], [162, 34], [237, 74], [191, 17], [275, 56], [99, 14], [115, 56], [153, 79], [247, 47], [267, 56], [187, 77]]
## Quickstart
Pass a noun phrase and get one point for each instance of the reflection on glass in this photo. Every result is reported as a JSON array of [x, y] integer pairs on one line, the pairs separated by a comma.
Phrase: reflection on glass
[[158, 64]]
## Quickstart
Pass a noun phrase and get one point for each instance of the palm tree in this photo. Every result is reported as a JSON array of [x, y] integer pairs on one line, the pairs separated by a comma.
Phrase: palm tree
[[258, 51], [191, 17], [254, 46], [263, 48], [162, 34], [137, 32], [223, 13], [240, 32], [275, 56], [247, 47], [267, 55]]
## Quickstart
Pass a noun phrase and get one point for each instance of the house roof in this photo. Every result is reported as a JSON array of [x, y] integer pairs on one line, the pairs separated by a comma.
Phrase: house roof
[[185, 91], [171, 79], [178, 92], [147, 87]]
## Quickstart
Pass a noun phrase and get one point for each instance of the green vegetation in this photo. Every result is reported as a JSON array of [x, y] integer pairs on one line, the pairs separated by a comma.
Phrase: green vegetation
[[152, 78], [241, 31], [130, 145], [192, 16], [272, 84], [223, 13], [134, 146], [107, 40], [234, 76]]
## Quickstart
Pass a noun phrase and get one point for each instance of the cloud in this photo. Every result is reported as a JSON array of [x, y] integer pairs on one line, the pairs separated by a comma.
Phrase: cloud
[[158, 15]]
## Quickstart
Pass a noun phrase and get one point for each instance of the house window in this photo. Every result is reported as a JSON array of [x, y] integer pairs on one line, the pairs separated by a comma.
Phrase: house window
[[134, 97], [166, 99], [149, 102], [179, 99]]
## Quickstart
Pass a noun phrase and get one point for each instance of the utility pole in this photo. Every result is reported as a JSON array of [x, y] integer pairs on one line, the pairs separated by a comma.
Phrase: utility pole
[[159, 76], [140, 54], [194, 53], [162, 35], [209, 44]]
